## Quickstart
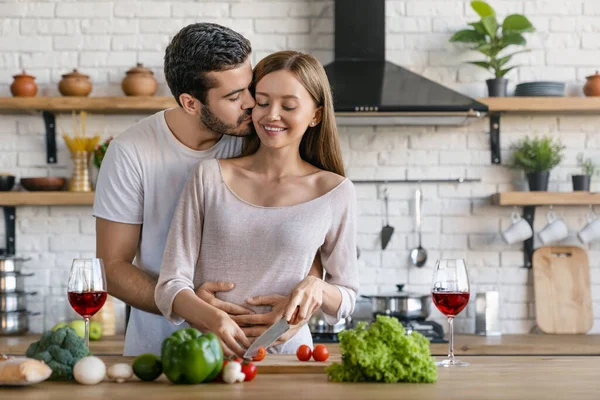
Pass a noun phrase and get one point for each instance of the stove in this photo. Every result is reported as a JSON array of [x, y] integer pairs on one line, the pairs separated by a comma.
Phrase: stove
[[430, 329]]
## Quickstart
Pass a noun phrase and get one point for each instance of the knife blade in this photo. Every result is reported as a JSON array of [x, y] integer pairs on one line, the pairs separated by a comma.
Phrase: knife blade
[[268, 337]]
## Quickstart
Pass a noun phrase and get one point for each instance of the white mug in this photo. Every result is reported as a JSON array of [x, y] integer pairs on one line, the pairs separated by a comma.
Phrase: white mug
[[518, 231], [555, 231], [591, 231]]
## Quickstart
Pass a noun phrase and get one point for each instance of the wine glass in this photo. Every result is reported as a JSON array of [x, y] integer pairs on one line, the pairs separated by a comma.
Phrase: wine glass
[[450, 293], [87, 289]]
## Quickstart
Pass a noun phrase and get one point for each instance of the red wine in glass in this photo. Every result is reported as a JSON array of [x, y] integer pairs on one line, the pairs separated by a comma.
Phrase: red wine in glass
[[87, 304], [450, 303], [450, 293], [86, 289]]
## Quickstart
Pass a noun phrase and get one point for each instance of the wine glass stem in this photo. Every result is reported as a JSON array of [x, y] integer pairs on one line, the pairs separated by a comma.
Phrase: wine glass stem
[[451, 341], [87, 332]]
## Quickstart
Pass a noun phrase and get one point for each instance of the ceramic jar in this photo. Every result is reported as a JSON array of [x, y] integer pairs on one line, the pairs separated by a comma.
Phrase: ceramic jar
[[23, 85], [592, 86], [75, 84], [139, 81]]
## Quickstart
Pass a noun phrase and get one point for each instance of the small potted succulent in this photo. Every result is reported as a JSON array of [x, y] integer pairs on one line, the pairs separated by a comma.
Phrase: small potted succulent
[[536, 157], [582, 182], [490, 38]]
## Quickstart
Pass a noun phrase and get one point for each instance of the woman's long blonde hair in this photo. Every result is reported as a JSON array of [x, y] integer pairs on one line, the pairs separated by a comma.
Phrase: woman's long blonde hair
[[320, 145]]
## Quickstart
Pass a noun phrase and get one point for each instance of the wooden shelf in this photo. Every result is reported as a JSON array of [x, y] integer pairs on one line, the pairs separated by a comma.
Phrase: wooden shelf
[[546, 198], [542, 104], [124, 104], [108, 104], [46, 199]]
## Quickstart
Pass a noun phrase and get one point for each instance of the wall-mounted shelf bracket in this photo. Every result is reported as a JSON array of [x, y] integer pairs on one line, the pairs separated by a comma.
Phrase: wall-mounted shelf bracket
[[528, 215], [10, 227], [495, 137], [50, 123]]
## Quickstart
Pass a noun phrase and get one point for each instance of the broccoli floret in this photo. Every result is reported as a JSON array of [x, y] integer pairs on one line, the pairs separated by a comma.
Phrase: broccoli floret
[[60, 350]]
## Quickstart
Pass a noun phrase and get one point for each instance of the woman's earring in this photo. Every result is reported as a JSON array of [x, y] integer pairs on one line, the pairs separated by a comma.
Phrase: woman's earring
[[312, 123]]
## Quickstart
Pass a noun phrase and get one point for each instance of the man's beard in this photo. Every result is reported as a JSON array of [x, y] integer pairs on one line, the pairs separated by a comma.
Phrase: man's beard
[[212, 122]]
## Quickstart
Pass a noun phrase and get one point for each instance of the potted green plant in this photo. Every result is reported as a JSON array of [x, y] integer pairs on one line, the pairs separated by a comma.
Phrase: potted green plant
[[100, 151], [588, 167], [537, 156], [490, 38]]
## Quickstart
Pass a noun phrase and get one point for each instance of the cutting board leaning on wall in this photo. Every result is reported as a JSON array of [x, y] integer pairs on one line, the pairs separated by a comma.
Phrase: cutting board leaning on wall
[[563, 301]]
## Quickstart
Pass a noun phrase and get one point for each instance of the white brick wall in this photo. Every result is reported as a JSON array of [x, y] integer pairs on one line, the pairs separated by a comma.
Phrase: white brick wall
[[106, 38]]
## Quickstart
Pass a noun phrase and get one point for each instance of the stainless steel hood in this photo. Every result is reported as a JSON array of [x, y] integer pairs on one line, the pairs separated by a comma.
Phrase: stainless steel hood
[[368, 90]]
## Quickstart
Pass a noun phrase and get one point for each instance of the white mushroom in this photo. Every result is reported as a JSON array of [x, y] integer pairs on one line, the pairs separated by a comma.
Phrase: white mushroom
[[89, 370], [119, 372]]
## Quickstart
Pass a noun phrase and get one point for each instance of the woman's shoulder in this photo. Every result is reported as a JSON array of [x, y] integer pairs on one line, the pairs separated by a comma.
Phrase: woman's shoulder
[[330, 182]]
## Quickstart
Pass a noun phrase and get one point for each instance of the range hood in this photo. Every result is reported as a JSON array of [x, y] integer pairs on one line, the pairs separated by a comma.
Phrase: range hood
[[368, 90]]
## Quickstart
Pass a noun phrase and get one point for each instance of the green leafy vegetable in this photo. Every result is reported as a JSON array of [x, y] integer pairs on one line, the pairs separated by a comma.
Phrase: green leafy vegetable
[[383, 352], [60, 350]]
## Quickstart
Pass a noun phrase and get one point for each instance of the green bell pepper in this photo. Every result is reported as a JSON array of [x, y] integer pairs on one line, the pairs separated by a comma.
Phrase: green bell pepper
[[189, 356]]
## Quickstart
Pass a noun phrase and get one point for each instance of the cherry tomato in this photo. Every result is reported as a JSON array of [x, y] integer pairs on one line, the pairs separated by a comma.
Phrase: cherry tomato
[[249, 369], [320, 353], [303, 353], [260, 355]]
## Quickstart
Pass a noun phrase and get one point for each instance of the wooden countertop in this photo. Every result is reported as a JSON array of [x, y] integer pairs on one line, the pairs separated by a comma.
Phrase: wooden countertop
[[464, 345], [488, 377]]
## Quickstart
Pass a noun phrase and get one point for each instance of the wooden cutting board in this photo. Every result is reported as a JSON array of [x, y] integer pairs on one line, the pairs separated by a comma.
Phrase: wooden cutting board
[[563, 301]]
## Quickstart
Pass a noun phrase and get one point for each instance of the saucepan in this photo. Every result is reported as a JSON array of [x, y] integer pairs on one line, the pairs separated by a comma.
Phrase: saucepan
[[16, 301], [401, 304], [15, 323], [11, 282]]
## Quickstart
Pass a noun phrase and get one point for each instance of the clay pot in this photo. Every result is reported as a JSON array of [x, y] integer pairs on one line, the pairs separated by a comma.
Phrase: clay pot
[[592, 86], [23, 85], [139, 81], [75, 84]]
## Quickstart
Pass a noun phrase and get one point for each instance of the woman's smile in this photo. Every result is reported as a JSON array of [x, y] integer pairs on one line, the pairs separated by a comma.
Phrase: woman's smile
[[273, 130]]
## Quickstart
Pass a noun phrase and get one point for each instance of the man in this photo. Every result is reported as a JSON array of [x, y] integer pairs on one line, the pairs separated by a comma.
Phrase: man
[[207, 68]]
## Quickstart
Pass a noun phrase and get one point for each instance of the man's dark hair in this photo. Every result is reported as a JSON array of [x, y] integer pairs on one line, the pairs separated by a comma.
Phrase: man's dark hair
[[198, 49]]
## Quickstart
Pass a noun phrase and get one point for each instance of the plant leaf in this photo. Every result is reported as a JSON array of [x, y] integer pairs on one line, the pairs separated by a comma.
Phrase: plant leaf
[[482, 8], [483, 64], [478, 26], [506, 58], [490, 25], [486, 49], [513, 38], [467, 36], [517, 23], [502, 72]]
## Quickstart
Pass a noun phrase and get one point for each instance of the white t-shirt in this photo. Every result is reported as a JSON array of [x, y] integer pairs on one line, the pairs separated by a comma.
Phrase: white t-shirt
[[141, 178]]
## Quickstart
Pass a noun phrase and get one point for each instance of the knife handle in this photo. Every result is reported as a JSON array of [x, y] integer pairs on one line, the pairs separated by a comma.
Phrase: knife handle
[[292, 320]]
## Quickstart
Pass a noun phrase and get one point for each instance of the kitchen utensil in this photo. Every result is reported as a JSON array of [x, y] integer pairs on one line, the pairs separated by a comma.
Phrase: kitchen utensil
[[400, 304], [139, 81], [268, 337], [46, 183], [563, 301], [487, 314], [11, 264], [592, 85], [11, 282], [23, 85], [387, 231], [17, 301], [6, 182], [75, 84], [518, 231], [15, 323], [317, 324], [555, 231], [289, 364], [418, 256], [450, 291]]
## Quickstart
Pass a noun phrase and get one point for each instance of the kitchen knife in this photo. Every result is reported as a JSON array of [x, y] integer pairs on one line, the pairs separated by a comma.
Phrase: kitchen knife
[[268, 337]]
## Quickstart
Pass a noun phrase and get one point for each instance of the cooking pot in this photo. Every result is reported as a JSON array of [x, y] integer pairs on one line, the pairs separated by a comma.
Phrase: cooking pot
[[15, 323], [401, 304], [11, 264], [17, 301], [11, 282], [317, 324]]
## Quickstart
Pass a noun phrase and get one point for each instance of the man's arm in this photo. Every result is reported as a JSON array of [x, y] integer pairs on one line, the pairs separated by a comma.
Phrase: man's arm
[[116, 245]]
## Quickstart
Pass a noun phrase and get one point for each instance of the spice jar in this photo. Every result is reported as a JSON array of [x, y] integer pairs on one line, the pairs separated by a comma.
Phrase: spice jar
[[592, 86], [139, 81], [23, 85], [75, 84]]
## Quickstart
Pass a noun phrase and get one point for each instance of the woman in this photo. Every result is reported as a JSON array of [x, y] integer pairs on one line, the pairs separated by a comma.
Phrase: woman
[[259, 220]]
